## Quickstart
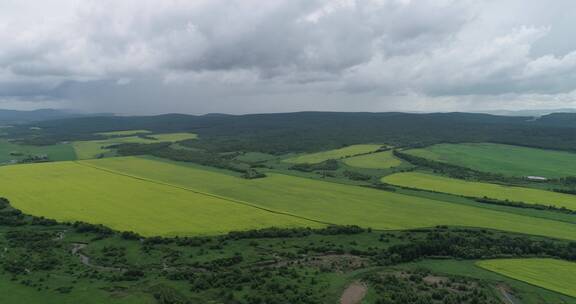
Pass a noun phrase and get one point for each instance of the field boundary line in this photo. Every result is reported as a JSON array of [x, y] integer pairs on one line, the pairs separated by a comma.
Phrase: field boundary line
[[232, 200]]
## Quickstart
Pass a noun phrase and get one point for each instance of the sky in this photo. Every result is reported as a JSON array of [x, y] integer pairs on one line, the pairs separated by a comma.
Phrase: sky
[[256, 56]]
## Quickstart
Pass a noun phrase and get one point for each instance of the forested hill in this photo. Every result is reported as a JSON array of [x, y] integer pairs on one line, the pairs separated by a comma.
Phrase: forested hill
[[15, 116], [558, 119], [309, 131]]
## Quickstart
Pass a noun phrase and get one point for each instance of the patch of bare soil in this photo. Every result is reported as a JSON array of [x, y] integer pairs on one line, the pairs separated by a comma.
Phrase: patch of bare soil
[[354, 293]]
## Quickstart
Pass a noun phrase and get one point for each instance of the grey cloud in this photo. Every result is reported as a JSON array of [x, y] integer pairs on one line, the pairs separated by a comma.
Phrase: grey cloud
[[251, 55]]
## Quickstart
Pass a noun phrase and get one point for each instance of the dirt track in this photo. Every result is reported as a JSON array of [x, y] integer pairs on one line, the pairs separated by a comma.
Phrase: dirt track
[[354, 293]]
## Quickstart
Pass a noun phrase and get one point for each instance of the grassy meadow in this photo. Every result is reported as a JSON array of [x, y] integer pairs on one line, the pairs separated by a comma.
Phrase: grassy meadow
[[70, 191], [95, 148], [255, 157], [479, 189], [555, 275], [334, 203], [13, 292], [319, 157], [154, 197], [124, 133], [380, 160], [504, 159], [55, 152], [528, 293], [174, 137]]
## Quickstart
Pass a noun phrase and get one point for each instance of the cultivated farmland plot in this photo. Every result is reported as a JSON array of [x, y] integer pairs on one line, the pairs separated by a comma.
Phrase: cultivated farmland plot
[[94, 148], [124, 133], [556, 275], [10, 152], [504, 159], [478, 189], [380, 160], [128, 194], [319, 157], [70, 191]]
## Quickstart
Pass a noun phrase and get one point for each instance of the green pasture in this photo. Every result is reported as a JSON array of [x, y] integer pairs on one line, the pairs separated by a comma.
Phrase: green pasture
[[90, 293], [555, 275], [94, 148], [528, 293], [319, 157], [334, 203], [124, 133], [503, 159], [254, 157], [55, 152], [380, 160], [72, 191], [478, 189], [165, 198], [174, 137]]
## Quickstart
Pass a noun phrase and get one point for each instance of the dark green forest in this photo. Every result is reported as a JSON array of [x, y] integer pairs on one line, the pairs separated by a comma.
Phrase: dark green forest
[[314, 131]]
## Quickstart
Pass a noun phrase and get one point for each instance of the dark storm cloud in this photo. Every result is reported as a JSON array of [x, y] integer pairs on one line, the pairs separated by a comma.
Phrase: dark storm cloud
[[145, 56]]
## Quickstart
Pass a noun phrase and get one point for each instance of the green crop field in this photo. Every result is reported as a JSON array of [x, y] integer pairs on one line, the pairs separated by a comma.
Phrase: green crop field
[[530, 294], [504, 159], [477, 189], [69, 191], [164, 198], [334, 203], [124, 133], [319, 157], [555, 275], [174, 137], [55, 152], [94, 148], [381, 160]]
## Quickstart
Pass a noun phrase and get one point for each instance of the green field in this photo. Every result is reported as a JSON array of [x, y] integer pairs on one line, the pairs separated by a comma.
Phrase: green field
[[14, 292], [528, 293], [69, 191], [164, 198], [55, 152], [381, 160], [334, 203], [477, 189], [174, 137], [94, 148], [319, 157], [504, 159], [555, 275], [255, 157], [124, 133]]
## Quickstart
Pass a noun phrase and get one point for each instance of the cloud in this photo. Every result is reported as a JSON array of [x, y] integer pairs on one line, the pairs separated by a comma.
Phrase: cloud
[[146, 56]]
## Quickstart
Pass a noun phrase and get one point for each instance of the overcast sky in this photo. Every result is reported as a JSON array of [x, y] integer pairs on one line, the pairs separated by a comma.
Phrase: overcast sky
[[245, 56]]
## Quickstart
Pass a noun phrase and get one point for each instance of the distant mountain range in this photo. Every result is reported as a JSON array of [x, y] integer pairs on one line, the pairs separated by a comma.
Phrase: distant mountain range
[[18, 117], [539, 112]]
